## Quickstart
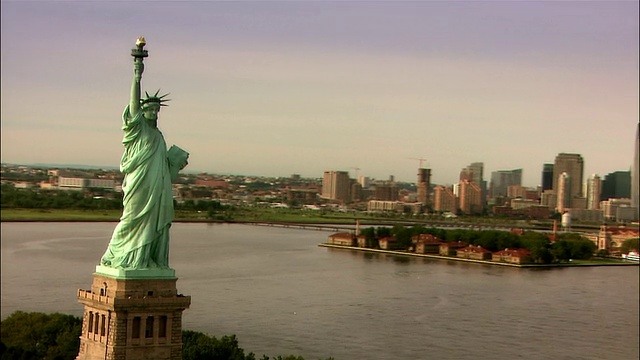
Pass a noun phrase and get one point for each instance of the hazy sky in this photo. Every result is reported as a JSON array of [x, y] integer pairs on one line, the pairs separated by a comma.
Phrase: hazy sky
[[276, 88]]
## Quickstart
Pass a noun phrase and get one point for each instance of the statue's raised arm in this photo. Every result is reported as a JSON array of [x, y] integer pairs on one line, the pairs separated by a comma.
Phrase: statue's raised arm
[[138, 68]]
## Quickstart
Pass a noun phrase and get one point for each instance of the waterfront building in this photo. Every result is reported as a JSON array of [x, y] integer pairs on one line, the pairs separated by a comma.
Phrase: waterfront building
[[502, 179], [573, 166], [450, 248], [512, 256], [474, 252], [389, 243], [444, 199], [593, 192], [612, 237], [343, 238], [336, 186]]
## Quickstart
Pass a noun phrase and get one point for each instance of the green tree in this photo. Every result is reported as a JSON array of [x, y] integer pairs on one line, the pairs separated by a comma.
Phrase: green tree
[[370, 237], [561, 250], [628, 245], [403, 236], [582, 249], [541, 255], [383, 231], [40, 336], [199, 346]]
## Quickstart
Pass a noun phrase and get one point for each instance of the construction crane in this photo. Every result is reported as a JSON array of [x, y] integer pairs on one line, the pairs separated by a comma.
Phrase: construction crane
[[421, 161]]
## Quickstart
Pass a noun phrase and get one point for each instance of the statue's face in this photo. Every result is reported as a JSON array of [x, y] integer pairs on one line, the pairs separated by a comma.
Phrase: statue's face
[[150, 113]]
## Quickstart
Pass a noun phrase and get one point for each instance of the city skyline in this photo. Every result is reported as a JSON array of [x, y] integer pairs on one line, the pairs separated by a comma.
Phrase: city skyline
[[276, 88]]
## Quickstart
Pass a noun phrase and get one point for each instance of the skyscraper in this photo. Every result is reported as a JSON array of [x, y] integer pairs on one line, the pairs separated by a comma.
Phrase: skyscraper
[[594, 186], [573, 165], [502, 179], [474, 173], [547, 177], [470, 199], [424, 182], [444, 199], [616, 185], [564, 195]]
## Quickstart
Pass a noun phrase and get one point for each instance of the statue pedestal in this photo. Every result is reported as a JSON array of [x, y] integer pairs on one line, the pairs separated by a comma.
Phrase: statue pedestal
[[134, 314]]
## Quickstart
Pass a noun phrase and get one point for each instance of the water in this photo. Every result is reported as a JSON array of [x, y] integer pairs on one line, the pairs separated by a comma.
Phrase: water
[[282, 294]]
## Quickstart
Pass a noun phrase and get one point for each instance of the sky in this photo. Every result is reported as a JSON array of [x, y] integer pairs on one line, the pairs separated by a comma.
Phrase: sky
[[275, 88]]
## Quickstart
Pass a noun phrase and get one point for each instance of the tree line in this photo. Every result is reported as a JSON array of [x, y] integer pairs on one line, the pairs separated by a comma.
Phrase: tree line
[[35, 335], [91, 199], [543, 251], [88, 199]]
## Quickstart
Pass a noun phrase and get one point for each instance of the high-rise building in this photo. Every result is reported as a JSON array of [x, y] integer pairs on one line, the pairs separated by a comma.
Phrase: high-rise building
[[475, 173], [444, 199], [547, 177], [635, 177], [424, 182], [364, 181], [502, 179], [470, 197], [336, 186], [573, 165], [564, 195], [386, 191], [594, 186], [616, 185]]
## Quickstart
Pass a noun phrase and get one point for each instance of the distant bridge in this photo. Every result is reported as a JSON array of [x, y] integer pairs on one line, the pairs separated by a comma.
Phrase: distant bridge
[[317, 227]]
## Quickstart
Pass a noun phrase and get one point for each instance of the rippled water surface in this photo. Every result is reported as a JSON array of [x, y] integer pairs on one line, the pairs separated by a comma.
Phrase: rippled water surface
[[282, 294]]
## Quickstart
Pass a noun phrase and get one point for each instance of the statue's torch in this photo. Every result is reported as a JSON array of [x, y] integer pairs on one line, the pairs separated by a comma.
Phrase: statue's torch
[[138, 52]]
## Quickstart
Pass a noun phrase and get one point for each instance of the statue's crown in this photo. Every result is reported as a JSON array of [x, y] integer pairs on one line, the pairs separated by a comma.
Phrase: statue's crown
[[154, 99]]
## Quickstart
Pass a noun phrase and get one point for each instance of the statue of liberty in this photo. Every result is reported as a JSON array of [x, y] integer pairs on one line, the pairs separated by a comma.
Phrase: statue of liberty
[[140, 241]]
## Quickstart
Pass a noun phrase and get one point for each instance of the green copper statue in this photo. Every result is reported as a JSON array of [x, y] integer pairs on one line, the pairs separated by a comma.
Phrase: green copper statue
[[140, 241]]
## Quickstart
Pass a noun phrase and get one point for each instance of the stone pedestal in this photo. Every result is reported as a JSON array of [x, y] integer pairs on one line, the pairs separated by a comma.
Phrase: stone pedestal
[[132, 316]]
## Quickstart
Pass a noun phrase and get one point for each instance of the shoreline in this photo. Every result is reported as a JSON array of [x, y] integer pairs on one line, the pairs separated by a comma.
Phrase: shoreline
[[484, 262]]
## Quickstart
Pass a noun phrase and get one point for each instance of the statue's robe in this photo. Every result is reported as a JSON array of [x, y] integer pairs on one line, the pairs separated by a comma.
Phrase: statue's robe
[[141, 238]]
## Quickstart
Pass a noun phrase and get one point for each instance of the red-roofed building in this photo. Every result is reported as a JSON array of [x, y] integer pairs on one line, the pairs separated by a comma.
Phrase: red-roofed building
[[389, 243], [345, 239], [512, 256], [426, 244], [450, 248], [474, 252]]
